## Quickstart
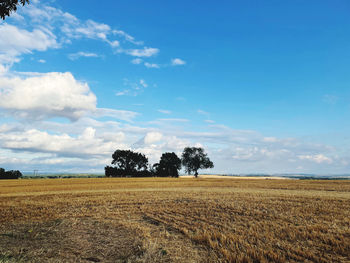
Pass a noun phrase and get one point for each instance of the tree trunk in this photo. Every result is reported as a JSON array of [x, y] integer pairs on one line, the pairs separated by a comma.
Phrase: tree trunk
[[196, 174]]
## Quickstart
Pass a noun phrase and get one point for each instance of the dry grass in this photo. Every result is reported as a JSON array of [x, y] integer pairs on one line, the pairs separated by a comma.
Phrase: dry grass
[[174, 220]]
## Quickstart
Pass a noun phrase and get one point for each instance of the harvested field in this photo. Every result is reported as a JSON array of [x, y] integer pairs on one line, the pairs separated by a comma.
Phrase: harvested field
[[174, 220]]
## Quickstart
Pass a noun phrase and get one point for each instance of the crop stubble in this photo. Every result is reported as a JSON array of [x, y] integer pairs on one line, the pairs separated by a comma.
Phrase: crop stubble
[[174, 220]]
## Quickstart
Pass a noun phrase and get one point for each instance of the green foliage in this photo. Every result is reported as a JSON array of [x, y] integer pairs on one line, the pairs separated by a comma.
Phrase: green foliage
[[10, 174], [169, 165], [127, 163], [194, 158], [132, 164], [8, 6]]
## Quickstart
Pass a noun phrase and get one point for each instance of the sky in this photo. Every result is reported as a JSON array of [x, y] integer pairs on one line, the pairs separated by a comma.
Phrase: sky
[[262, 86]]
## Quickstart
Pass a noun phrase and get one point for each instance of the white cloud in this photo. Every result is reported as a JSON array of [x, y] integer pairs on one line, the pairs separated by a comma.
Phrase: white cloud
[[143, 83], [123, 92], [169, 121], [151, 65], [133, 88], [317, 158], [114, 43], [67, 27], [164, 111], [252, 154], [153, 137], [88, 142], [88, 29], [15, 42], [3, 69], [177, 62], [118, 114], [174, 120], [127, 37], [270, 139], [136, 61], [154, 144], [202, 112], [46, 95], [75, 56], [209, 121], [85, 144], [229, 149], [16, 16], [145, 52], [42, 61]]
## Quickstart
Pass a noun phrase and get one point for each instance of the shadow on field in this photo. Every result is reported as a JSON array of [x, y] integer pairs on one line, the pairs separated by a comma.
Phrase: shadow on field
[[81, 240]]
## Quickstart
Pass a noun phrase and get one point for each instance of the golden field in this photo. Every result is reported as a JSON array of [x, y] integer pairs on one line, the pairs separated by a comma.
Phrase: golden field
[[174, 220]]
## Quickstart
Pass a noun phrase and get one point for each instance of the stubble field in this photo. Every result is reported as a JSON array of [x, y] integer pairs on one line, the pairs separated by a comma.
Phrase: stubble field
[[174, 220]]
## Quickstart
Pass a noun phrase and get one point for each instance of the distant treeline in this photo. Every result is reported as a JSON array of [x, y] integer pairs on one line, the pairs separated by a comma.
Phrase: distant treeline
[[133, 164], [10, 174]]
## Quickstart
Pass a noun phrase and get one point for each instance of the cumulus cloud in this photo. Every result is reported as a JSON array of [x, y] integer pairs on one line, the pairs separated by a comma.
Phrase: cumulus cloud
[[153, 144], [177, 62], [46, 95], [88, 139], [85, 144]]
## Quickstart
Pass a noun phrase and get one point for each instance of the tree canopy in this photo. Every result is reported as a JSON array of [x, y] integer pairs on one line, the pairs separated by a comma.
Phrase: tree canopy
[[194, 158], [169, 165], [8, 6], [127, 163], [10, 174], [129, 160]]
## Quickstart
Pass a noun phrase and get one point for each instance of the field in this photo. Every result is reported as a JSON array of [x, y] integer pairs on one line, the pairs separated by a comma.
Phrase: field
[[174, 220]]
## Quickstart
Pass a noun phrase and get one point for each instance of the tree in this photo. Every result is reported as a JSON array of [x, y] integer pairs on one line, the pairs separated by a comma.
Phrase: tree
[[7, 6], [194, 158], [127, 163], [169, 165], [10, 174]]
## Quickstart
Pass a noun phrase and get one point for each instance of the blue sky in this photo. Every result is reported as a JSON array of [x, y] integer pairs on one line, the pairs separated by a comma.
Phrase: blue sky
[[263, 86]]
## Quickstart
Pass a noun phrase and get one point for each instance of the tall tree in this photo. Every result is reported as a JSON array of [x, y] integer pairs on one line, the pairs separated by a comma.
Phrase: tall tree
[[7, 6], [129, 161], [169, 165], [194, 158]]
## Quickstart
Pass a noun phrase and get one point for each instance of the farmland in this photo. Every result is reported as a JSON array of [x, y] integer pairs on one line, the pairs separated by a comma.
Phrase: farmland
[[174, 220]]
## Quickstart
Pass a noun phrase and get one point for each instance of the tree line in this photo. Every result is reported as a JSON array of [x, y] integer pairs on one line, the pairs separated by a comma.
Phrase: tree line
[[12, 174], [127, 163]]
